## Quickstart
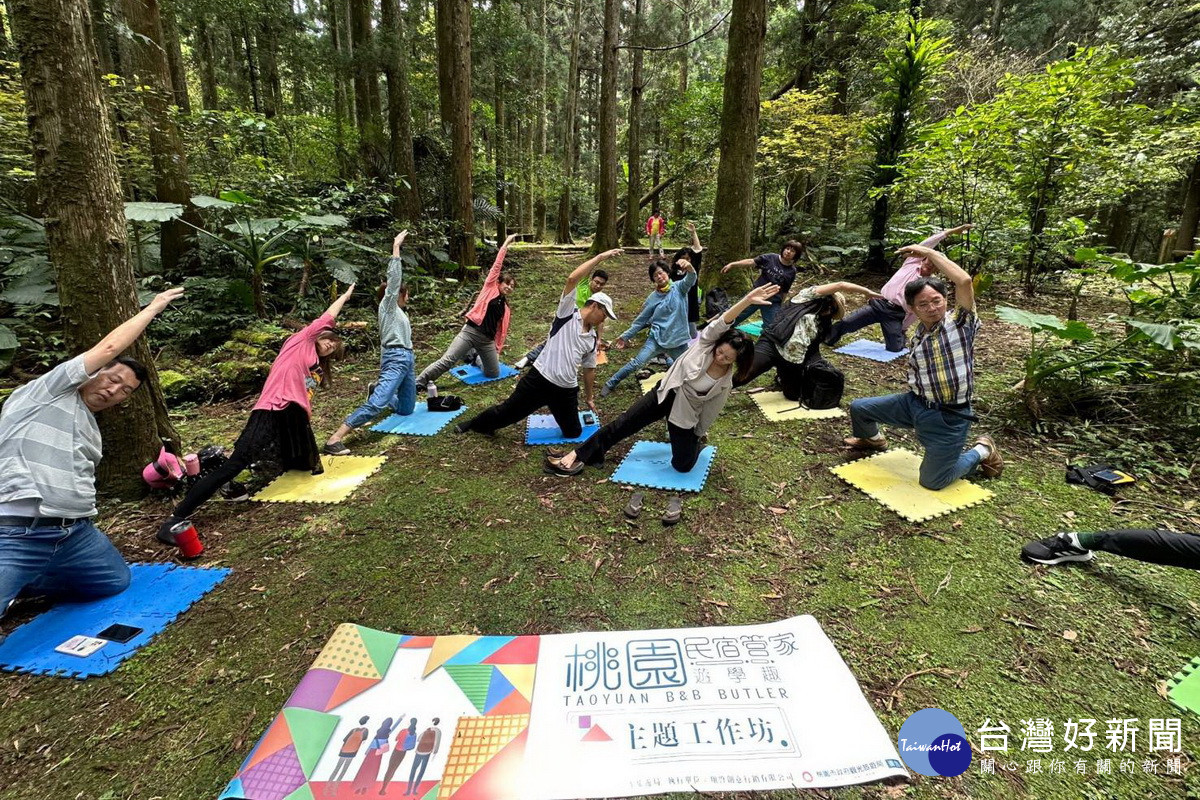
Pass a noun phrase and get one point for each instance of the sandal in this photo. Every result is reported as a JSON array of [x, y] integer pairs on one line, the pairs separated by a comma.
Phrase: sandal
[[634, 506], [674, 511], [553, 467]]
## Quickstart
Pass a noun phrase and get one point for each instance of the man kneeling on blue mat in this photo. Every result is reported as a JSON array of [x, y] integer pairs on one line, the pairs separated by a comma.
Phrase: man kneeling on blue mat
[[941, 375], [49, 448]]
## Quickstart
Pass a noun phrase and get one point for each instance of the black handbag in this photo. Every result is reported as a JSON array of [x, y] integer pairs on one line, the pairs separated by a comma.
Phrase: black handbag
[[822, 385], [444, 402]]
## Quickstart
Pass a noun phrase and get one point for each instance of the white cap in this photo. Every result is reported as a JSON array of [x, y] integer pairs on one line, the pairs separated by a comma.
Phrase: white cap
[[606, 302]]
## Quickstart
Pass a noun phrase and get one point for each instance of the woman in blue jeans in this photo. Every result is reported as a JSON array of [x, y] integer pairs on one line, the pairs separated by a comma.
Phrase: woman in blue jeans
[[396, 388]]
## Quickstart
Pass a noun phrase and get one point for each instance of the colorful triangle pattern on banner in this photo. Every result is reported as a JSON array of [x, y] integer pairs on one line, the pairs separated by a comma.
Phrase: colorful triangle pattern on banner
[[303, 793], [275, 777], [498, 689], [310, 731], [349, 686], [515, 703], [473, 680], [275, 739], [520, 676], [444, 648], [347, 653], [521, 650], [498, 779], [478, 651], [314, 689], [380, 646]]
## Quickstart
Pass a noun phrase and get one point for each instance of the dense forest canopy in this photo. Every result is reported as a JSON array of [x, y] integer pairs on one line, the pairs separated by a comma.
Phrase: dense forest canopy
[[260, 150]]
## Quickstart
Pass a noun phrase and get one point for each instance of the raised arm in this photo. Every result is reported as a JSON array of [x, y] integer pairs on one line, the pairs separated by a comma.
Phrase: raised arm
[[758, 296], [335, 307], [964, 287], [125, 334], [685, 284], [936, 239], [846, 287], [696, 248], [586, 268], [395, 272], [745, 262], [493, 275], [639, 322]]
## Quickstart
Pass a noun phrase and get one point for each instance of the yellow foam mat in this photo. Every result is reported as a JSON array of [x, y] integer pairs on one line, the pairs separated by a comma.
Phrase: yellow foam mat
[[778, 408], [652, 381], [891, 478], [342, 476]]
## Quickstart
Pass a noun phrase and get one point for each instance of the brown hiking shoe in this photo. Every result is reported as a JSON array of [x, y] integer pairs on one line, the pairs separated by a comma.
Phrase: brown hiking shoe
[[862, 443], [992, 465]]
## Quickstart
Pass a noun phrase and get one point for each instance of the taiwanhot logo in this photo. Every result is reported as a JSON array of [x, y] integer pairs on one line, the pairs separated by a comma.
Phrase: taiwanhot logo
[[933, 742]]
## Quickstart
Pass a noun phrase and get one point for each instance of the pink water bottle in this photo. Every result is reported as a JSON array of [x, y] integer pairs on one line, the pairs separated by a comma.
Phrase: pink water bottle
[[191, 464]]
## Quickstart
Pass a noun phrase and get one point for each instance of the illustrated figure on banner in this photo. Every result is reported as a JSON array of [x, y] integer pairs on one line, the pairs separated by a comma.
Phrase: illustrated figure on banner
[[350, 746], [405, 741], [427, 745], [368, 771]]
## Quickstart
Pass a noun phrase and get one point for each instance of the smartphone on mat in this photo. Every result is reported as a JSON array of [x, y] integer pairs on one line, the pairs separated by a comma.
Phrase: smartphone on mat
[[118, 633]]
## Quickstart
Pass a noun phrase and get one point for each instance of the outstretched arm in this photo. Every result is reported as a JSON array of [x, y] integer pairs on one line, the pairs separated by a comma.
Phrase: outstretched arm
[[493, 275], [758, 296], [964, 287], [335, 307], [691, 226], [395, 272], [745, 262], [586, 268], [844, 286], [125, 334]]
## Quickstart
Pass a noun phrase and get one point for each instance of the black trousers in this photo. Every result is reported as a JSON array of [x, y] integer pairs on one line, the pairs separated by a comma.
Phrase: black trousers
[[767, 355], [1153, 546], [531, 393], [685, 444]]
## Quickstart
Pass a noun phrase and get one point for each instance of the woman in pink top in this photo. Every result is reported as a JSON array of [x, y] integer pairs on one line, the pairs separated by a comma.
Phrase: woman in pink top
[[486, 327], [279, 429]]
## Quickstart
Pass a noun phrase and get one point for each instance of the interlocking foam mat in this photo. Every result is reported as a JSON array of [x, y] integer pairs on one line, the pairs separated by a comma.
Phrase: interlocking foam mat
[[472, 375], [649, 464], [157, 594], [778, 408], [542, 429], [868, 348], [342, 476], [752, 328], [422, 422], [891, 478], [1184, 688], [651, 382]]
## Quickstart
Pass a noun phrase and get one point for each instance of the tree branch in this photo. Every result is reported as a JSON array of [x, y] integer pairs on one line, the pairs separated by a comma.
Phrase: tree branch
[[681, 44]]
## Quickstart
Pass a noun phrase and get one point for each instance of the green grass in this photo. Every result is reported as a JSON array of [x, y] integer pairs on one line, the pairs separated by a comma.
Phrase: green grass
[[465, 535]]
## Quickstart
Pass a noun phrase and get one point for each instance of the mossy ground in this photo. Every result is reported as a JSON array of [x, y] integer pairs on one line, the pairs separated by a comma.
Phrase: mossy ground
[[466, 535]]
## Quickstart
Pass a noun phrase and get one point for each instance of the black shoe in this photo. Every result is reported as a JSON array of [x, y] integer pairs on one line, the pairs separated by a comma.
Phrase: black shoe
[[461, 428], [164, 534], [552, 468], [336, 449], [371, 389], [1055, 550], [234, 492]]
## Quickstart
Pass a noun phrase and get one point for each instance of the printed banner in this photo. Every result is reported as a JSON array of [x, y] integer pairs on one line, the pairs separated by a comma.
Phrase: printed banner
[[580, 715]]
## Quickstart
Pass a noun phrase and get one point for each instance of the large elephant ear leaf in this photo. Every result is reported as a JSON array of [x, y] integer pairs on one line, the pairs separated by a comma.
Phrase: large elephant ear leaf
[[152, 212], [341, 270]]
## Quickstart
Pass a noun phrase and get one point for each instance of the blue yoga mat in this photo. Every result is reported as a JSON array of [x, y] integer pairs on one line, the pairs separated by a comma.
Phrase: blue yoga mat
[[542, 429], [472, 375], [752, 328], [649, 464], [422, 422], [157, 594], [868, 348]]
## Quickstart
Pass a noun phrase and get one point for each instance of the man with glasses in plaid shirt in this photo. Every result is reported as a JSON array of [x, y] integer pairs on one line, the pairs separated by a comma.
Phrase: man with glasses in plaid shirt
[[941, 376]]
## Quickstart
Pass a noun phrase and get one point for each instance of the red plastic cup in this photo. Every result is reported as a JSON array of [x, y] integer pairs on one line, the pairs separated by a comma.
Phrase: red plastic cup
[[187, 540]]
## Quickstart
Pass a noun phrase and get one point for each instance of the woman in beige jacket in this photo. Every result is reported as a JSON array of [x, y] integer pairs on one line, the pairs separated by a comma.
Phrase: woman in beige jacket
[[689, 397]]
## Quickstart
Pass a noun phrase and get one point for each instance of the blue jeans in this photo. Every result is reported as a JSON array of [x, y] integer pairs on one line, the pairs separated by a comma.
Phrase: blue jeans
[[768, 314], [396, 389], [889, 316], [75, 563], [941, 433], [649, 350]]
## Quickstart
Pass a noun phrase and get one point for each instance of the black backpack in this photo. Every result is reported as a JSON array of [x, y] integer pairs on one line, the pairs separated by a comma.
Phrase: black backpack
[[716, 302], [822, 384]]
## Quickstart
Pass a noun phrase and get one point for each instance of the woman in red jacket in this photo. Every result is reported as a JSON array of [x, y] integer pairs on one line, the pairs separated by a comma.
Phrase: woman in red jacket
[[486, 326]]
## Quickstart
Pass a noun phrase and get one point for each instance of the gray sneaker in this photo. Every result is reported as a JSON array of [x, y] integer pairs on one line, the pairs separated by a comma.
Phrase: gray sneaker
[[1055, 549]]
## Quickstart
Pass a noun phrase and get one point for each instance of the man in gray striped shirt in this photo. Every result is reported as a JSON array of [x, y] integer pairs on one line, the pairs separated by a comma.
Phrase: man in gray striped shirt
[[49, 448]]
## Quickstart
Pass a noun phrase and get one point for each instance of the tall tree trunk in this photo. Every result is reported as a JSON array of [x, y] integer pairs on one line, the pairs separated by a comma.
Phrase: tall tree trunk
[[833, 179], [539, 203], [454, 58], [168, 157], [337, 33], [630, 231], [500, 135], [366, 89], [267, 40], [685, 58], [570, 129], [395, 64], [1189, 216], [103, 35], [174, 53], [606, 195], [252, 71], [78, 182], [731, 227], [206, 60]]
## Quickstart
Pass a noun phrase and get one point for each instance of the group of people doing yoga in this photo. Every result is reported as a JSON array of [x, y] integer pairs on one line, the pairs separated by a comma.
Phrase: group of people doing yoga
[[50, 444]]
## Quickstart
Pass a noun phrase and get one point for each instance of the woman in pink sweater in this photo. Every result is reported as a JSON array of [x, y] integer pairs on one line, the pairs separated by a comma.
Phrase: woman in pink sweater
[[486, 327], [279, 429]]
